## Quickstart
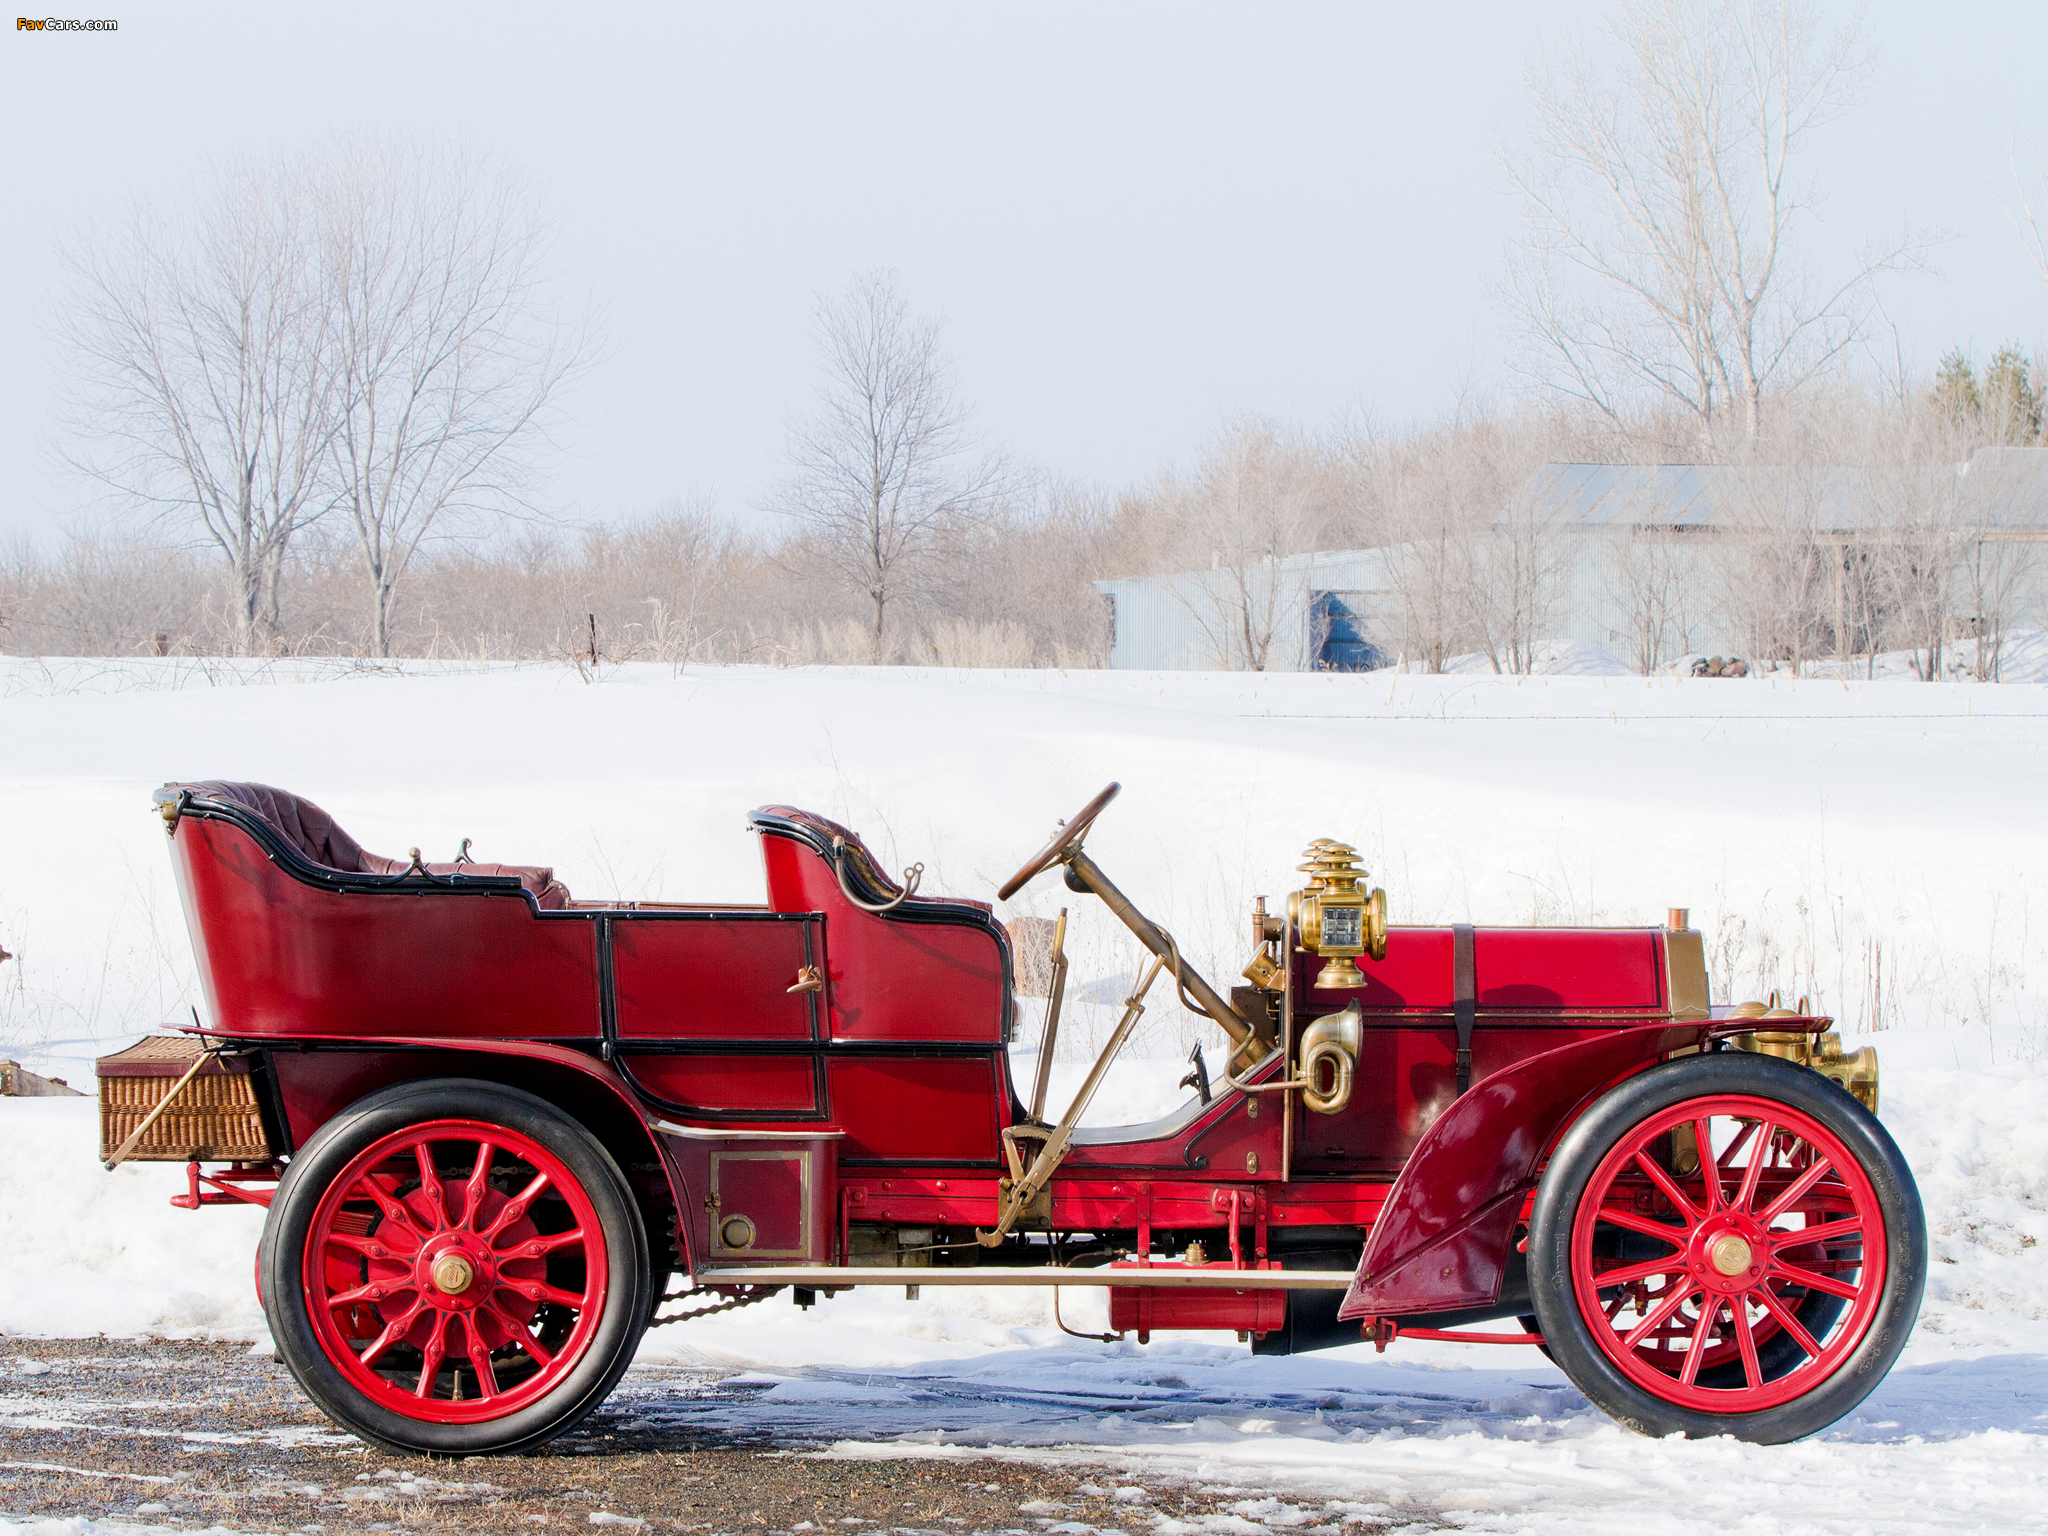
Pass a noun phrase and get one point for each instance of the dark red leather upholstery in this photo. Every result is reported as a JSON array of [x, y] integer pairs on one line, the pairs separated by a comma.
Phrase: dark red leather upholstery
[[312, 832], [828, 829]]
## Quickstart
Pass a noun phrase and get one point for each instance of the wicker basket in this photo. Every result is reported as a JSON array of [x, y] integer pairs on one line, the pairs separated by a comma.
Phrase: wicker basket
[[214, 1118]]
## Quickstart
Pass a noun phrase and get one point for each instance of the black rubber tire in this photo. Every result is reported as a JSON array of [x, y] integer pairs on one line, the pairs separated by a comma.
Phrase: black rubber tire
[[1570, 1340], [628, 1300]]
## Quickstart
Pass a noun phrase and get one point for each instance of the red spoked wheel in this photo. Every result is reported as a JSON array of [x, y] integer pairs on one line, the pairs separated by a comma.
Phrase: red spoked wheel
[[455, 1268], [457, 1271], [1760, 1213], [1727, 1244]]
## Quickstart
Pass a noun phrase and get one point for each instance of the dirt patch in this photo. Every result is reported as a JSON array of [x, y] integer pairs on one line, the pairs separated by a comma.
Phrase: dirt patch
[[201, 1435]]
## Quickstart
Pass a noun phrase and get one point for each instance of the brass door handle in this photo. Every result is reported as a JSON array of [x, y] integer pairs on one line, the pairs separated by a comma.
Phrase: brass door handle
[[808, 980]]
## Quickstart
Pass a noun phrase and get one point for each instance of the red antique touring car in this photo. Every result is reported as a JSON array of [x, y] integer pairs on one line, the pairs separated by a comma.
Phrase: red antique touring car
[[496, 1126]]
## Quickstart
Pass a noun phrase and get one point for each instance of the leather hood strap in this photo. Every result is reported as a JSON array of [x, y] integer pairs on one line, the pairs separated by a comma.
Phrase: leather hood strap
[[1464, 999]]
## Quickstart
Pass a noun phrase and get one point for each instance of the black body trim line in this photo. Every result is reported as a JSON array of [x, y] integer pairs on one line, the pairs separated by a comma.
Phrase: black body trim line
[[607, 992], [624, 1064], [320, 877], [730, 1045], [1464, 999]]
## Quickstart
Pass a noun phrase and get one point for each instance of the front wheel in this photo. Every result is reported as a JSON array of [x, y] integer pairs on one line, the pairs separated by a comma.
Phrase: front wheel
[[1727, 1244], [455, 1268]]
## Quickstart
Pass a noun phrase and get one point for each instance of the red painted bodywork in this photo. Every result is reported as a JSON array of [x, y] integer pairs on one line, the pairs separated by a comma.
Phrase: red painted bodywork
[[280, 958], [829, 1072], [1141, 1309]]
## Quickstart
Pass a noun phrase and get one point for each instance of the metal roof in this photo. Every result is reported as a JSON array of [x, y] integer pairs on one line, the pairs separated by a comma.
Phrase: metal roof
[[1998, 487]]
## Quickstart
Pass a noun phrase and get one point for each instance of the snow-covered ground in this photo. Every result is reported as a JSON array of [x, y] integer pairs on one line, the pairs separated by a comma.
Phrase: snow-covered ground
[[1876, 845]]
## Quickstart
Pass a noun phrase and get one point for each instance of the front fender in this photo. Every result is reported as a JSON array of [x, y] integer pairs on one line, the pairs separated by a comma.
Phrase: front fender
[[1441, 1241]]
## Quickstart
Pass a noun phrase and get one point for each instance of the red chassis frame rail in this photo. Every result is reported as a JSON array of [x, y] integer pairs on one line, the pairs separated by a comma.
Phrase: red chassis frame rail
[[233, 1185]]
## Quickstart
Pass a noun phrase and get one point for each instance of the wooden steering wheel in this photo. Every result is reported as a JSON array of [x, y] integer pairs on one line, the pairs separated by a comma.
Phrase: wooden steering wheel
[[1067, 834]]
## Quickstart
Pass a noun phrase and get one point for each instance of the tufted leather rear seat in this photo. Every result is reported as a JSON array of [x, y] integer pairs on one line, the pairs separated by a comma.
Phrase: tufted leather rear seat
[[315, 834]]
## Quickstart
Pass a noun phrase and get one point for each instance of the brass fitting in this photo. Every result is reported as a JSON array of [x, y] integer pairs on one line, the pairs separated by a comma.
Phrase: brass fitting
[[1856, 1073], [1332, 1041], [1336, 919]]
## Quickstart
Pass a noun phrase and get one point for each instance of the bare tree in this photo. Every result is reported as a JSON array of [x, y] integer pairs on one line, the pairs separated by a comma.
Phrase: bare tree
[[1031, 567], [1647, 575], [1435, 527], [1518, 584], [202, 376], [447, 356], [2029, 208], [888, 469], [1252, 504], [1777, 560], [1475, 570], [1661, 205]]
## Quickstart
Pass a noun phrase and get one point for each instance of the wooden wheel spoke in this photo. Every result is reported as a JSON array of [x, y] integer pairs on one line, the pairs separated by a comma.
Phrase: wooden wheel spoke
[[546, 1243], [518, 1333], [1745, 1341], [516, 1206], [1663, 1231], [1669, 1186], [1816, 1237], [480, 1359], [478, 1184], [1813, 1281], [1710, 1165], [1753, 1171], [394, 1209], [540, 1290], [430, 1184], [393, 1332], [373, 1292], [431, 1356], [1666, 1265], [1788, 1320], [1796, 1190], [1659, 1315], [1702, 1331], [378, 1247]]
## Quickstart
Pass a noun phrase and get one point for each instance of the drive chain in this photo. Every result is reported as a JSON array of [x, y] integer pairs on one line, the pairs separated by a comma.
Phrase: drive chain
[[746, 1298]]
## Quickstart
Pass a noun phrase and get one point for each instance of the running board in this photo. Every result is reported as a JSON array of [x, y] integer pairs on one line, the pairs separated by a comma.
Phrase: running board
[[827, 1278]]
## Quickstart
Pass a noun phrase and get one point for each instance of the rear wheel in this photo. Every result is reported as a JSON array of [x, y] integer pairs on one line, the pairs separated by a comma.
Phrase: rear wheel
[[1727, 1244], [455, 1268]]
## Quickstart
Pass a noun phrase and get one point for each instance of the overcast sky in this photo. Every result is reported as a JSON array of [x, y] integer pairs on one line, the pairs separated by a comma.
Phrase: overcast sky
[[1134, 219]]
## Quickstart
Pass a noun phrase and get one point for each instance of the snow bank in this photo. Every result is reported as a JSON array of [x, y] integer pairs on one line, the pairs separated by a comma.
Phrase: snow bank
[[1552, 658], [1878, 846], [89, 1252]]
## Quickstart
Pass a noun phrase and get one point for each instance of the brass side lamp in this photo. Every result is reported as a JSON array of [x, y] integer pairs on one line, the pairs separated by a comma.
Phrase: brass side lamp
[[1336, 919]]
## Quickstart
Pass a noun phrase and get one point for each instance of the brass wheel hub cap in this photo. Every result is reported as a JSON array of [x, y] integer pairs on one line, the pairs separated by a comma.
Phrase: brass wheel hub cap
[[1728, 1253], [453, 1274]]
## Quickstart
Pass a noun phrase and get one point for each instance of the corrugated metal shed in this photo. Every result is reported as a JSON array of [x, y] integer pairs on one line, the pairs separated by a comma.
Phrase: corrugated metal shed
[[1998, 487], [1183, 620], [1188, 620]]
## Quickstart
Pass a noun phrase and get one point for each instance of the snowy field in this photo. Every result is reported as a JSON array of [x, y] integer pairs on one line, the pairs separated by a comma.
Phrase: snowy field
[[1878, 846]]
